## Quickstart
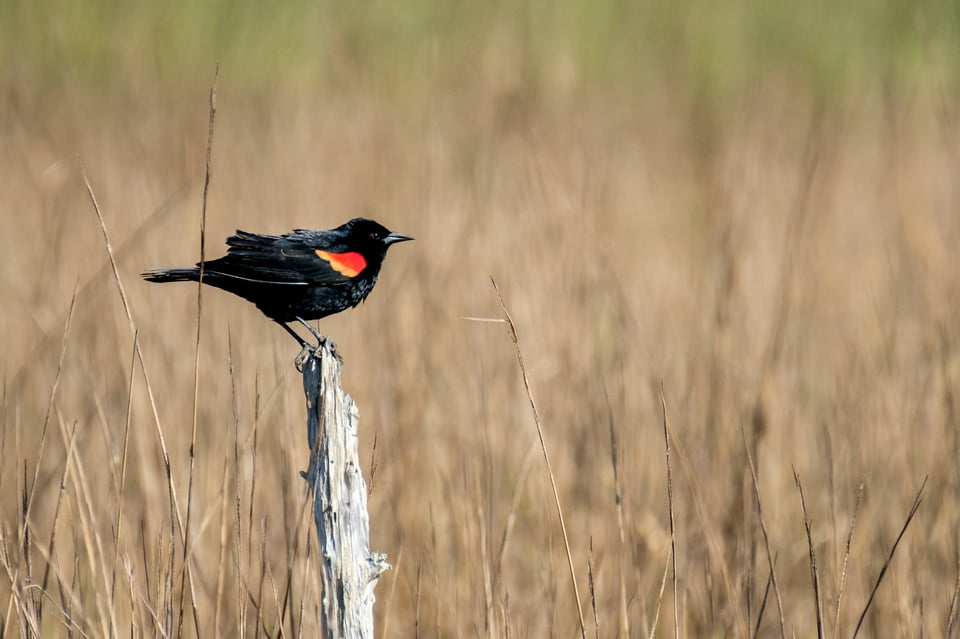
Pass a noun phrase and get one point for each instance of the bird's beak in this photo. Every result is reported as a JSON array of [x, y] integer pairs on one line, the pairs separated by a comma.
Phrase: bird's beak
[[393, 238]]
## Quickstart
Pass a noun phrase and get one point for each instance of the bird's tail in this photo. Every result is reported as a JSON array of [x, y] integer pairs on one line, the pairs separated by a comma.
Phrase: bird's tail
[[171, 275]]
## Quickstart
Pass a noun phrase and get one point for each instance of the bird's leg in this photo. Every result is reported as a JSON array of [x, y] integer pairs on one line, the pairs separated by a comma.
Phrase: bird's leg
[[293, 333], [313, 331], [306, 350], [321, 340]]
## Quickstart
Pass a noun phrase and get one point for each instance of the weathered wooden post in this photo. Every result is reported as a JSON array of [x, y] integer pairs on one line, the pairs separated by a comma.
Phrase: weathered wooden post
[[350, 571]]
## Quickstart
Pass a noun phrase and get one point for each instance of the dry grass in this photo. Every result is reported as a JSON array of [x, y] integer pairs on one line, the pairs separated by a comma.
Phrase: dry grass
[[786, 269]]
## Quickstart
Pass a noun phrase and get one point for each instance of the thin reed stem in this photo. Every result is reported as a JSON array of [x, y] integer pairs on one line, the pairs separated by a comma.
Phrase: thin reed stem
[[184, 570], [543, 447]]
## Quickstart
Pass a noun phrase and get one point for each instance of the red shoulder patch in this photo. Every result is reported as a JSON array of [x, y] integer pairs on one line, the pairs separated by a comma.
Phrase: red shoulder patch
[[349, 264]]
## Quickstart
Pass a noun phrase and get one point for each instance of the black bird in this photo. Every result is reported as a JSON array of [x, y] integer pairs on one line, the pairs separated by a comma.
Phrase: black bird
[[300, 276]]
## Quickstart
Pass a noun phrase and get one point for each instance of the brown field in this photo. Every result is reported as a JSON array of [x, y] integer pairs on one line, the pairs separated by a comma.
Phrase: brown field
[[785, 264]]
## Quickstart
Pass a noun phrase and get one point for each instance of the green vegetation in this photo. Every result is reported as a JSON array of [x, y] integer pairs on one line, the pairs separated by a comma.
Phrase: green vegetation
[[700, 45]]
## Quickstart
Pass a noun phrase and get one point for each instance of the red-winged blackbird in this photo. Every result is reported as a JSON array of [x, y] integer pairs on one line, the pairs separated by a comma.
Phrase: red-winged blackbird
[[300, 276]]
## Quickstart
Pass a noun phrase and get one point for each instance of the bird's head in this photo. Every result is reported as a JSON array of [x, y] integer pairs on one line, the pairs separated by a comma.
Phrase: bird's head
[[368, 237]]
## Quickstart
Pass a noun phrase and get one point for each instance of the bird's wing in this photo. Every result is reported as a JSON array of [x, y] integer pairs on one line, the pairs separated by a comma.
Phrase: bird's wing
[[286, 259]]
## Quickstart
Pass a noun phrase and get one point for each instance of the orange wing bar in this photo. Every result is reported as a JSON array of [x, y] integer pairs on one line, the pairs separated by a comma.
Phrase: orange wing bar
[[349, 264]]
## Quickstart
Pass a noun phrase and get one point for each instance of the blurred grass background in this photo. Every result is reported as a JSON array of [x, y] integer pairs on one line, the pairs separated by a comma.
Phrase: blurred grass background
[[699, 46], [755, 202]]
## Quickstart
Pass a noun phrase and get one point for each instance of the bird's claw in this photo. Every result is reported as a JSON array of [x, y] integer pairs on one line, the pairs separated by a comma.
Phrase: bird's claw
[[309, 350], [332, 347], [306, 353]]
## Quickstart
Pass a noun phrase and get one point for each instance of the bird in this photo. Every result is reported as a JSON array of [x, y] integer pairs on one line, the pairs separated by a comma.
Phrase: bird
[[300, 276]]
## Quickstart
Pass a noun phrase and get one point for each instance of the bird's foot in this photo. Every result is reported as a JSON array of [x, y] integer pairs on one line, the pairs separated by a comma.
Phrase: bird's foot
[[308, 351], [322, 341], [329, 344]]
